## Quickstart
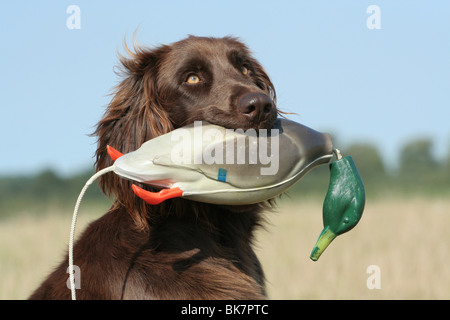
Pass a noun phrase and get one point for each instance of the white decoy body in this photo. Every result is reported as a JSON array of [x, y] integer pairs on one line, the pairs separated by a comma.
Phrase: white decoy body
[[208, 163]]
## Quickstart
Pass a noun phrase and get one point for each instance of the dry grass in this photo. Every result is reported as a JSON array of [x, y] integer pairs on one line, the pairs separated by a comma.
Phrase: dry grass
[[30, 246], [406, 238]]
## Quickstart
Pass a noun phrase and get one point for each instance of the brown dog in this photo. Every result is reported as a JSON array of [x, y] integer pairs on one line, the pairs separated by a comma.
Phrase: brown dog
[[179, 249]]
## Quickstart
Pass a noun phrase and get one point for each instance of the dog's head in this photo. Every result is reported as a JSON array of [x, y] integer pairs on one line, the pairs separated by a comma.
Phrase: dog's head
[[198, 78], [216, 80]]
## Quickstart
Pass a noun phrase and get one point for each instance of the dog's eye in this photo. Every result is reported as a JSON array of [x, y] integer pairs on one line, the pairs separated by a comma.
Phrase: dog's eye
[[245, 70], [193, 79]]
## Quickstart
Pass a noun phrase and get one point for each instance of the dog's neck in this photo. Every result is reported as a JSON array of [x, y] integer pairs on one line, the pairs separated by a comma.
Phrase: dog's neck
[[198, 221], [201, 231]]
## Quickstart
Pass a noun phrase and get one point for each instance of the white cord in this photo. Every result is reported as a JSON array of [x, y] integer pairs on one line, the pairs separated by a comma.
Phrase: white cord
[[74, 222]]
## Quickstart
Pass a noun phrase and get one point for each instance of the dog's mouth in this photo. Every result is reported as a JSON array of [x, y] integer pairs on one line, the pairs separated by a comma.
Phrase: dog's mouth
[[267, 122], [217, 116]]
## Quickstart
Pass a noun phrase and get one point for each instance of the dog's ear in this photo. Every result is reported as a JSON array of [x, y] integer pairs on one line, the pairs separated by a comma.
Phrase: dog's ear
[[133, 116], [263, 80]]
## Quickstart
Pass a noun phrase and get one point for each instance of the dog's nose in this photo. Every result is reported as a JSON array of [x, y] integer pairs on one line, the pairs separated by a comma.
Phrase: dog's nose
[[255, 106]]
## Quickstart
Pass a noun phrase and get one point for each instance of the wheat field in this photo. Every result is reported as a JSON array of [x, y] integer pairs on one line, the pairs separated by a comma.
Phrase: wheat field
[[406, 238]]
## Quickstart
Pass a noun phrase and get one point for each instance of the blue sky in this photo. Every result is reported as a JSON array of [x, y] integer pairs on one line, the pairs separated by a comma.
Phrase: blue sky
[[384, 86]]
